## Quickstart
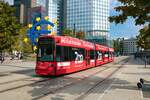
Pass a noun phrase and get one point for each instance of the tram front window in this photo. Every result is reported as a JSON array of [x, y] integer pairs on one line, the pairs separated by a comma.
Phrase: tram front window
[[45, 50]]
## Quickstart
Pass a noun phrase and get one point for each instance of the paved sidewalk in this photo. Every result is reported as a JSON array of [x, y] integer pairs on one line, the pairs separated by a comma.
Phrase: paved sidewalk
[[8, 60], [121, 86], [124, 84]]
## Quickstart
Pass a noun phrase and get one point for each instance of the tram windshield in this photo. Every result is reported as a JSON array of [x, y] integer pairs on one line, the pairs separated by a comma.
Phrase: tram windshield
[[45, 49]]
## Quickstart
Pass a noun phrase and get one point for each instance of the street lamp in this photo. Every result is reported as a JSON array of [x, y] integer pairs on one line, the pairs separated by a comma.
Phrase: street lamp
[[74, 29]]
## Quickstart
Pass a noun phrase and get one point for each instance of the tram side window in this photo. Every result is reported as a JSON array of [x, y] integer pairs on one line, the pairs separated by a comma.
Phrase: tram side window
[[99, 55], [62, 53], [58, 53], [82, 53], [77, 54], [92, 55], [66, 54]]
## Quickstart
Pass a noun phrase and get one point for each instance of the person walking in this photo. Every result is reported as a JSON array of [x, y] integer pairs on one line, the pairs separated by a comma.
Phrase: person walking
[[145, 60], [1, 57]]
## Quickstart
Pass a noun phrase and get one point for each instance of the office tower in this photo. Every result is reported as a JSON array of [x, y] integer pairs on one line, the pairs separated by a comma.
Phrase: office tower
[[24, 7], [55, 13], [89, 16]]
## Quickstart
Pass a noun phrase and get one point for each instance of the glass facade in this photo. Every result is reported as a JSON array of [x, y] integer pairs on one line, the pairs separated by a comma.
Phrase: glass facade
[[35, 12], [90, 16], [41, 3], [22, 7], [54, 12]]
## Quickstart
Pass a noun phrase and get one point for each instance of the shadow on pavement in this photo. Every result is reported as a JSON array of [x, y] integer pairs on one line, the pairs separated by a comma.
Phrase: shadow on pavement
[[55, 87], [25, 72], [140, 73], [146, 90], [50, 87]]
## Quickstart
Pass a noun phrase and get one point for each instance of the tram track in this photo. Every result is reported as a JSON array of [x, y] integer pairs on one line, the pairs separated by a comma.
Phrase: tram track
[[21, 86], [81, 97], [7, 73], [73, 83], [44, 80], [11, 81]]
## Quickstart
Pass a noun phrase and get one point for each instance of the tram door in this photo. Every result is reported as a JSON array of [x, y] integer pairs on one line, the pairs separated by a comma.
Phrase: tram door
[[87, 58]]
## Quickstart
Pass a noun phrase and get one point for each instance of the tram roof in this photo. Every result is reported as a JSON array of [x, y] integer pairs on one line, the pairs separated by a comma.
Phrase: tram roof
[[74, 42]]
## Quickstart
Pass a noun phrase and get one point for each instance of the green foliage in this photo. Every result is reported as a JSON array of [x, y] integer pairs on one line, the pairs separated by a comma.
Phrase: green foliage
[[68, 32], [137, 9], [19, 44], [80, 35], [143, 39], [118, 45], [8, 27]]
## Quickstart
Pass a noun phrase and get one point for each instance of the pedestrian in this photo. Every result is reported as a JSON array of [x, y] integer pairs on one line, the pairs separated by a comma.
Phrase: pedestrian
[[19, 55], [1, 57], [145, 60], [134, 55], [13, 55]]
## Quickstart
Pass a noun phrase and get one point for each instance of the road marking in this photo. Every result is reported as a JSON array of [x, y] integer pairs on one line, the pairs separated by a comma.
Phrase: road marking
[[141, 94]]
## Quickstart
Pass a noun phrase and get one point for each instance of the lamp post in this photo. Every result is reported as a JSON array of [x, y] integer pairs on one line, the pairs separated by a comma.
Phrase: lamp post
[[74, 29]]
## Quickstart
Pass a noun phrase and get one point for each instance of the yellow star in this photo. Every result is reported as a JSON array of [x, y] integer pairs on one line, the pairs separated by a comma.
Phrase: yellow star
[[53, 33], [30, 25], [46, 18], [37, 39], [38, 19], [34, 48], [25, 40], [49, 27], [54, 21], [38, 28]]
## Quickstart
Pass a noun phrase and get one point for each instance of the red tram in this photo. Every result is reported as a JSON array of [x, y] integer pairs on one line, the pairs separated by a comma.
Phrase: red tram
[[58, 55]]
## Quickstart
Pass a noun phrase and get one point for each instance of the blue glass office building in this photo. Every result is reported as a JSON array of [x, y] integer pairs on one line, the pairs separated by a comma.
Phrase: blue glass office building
[[90, 16], [55, 12]]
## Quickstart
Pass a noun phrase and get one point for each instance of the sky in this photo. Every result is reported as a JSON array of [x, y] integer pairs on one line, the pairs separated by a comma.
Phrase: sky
[[10, 1], [126, 30]]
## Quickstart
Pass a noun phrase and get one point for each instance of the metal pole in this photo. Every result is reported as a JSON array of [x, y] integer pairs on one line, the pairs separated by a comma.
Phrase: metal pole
[[74, 29]]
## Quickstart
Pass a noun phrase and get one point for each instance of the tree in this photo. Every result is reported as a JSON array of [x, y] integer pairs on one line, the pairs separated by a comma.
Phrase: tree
[[80, 35], [143, 39], [118, 45], [19, 44], [68, 32], [138, 10], [8, 26]]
